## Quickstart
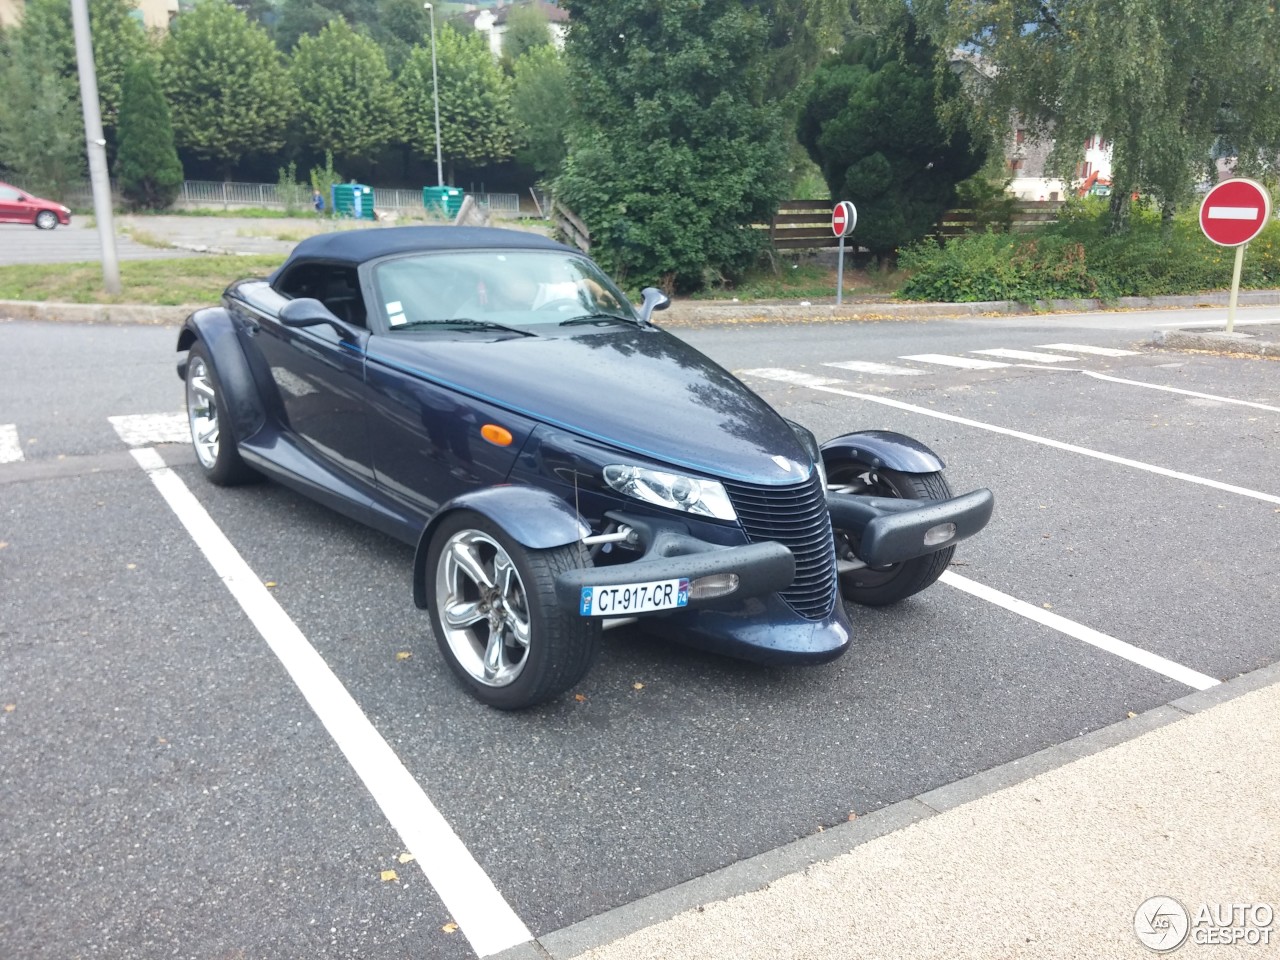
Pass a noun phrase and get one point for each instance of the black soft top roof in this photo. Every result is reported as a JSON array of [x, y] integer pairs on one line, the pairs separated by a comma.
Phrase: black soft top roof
[[359, 246]]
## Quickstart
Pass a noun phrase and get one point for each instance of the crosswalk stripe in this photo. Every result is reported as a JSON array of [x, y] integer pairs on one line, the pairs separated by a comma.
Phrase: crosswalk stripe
[[968, 363], [1085, 348], [884, 369], [1026, 355], [10, 448]]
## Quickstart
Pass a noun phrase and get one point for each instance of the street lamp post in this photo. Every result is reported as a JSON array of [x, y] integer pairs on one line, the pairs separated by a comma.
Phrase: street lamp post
[[95, 145], [435, 91]]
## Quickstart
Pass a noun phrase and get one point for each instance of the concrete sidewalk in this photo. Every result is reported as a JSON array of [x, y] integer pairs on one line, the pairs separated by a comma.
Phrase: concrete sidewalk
[[1049, 856]]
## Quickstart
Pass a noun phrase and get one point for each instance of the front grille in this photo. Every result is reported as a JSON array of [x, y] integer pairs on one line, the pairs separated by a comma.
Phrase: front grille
[[796, 516]]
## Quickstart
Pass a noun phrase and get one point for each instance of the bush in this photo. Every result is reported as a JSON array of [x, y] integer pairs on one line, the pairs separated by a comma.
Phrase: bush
[[1076, 258], [147, 166]]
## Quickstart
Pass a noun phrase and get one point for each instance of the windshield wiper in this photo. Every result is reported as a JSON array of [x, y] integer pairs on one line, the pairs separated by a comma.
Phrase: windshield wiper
[[599, 318], [469, 322]]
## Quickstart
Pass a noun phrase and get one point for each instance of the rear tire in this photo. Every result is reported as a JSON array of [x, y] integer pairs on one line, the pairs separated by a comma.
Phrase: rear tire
[[882, 586], [495, 614], [211, 436]]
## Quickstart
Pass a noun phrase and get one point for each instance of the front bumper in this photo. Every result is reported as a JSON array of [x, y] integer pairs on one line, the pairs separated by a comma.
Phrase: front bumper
[[751, 623], [669, 553], [891, 531]]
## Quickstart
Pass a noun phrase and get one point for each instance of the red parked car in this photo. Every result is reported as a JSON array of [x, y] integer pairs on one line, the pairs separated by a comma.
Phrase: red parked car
[[18, 206]]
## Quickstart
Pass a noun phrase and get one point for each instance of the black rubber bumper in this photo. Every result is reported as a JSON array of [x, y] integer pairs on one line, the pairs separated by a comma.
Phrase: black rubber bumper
[[761, 568], [890, 530]]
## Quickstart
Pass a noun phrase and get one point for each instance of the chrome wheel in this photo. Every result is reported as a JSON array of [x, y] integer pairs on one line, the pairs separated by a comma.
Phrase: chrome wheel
[[484, 609], [46, 220], [202, 412]]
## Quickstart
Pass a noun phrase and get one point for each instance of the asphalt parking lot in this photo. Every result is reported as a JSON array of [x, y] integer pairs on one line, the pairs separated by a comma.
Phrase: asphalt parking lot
[[170, 790]]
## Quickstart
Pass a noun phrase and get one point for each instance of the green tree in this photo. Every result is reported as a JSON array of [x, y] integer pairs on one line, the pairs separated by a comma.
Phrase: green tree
[[300, 18], [677, 147], [41, 126], [1163, 80], [475, 101], [870, 122], [349, 101], [527, 29], [147, 166], [226, 83], [400, 26], [118, 40], [539, 92]]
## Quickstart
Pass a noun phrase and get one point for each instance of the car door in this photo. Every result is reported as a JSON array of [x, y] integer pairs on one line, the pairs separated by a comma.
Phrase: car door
[[12, 209], [318, 373], [434, 433]]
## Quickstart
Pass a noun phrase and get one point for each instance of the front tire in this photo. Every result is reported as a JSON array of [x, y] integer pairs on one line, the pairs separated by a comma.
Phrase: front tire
[[882, 586], [46, 220], [496, 618], [211, 437]]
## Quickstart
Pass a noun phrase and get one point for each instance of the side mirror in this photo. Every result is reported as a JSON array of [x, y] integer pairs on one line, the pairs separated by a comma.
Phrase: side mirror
[[654, 299], [310, 312]]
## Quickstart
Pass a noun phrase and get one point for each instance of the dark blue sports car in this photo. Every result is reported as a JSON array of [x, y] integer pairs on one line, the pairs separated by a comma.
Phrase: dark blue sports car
[[560, 463]]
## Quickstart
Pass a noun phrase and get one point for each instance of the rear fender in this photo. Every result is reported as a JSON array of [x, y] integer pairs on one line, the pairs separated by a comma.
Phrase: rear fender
[[881, 449], [214, 328], [534, 518]]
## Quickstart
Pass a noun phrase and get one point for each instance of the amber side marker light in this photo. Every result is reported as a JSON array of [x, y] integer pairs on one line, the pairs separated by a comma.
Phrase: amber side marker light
[[498, 436]]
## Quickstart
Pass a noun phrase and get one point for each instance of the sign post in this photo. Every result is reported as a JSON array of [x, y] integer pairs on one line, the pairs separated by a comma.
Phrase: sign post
[[1232, 214], [843, 219]]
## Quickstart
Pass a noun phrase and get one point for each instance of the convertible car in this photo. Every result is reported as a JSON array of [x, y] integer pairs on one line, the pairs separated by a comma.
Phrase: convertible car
[[560, 463]]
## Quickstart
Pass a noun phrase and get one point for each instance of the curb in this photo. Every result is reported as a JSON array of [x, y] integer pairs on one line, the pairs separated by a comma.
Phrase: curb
[[1216, 342], [121, 313], [693, 313], [759, 871]]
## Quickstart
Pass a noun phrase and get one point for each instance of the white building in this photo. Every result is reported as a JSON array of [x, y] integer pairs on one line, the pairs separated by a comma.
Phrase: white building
[[492, 21]]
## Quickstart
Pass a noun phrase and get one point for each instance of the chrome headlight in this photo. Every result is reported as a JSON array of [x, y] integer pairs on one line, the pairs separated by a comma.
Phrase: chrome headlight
[[674, 491]]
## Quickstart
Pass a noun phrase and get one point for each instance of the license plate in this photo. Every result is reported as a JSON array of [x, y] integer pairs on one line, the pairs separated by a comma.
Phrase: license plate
[[634, 598]]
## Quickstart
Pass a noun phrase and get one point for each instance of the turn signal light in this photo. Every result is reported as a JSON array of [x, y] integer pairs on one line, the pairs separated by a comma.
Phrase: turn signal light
[[716, 585], [939, 534], [498, 436]]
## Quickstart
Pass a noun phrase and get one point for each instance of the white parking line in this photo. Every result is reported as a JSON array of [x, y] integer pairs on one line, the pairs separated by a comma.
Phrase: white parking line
[[819, 383], [968, 363], [1103, 641], [10, 447], [475, 904], [1084, 348], [145, 429], [1188, 393], [1025, 355], [882, 369]]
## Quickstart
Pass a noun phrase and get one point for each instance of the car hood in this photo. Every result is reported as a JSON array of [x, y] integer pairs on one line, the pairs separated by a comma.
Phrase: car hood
[[636, 389]]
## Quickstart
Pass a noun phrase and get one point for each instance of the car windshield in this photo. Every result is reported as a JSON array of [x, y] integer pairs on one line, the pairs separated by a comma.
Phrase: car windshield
[[518, 288]]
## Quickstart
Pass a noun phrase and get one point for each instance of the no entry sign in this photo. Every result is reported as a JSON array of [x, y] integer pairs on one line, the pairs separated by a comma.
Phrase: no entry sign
[[843, 218], [1234, 212]]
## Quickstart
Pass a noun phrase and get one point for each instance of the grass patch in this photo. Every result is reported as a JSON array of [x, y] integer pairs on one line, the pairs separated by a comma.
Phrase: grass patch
[[286, 234], [248, 213], [804, 281], [185, 280]]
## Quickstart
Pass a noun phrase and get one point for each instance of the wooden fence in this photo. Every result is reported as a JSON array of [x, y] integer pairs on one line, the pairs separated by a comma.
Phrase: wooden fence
[[806, 224]]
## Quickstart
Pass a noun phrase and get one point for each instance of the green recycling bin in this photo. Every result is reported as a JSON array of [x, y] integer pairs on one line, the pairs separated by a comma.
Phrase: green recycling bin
[[353, 200], [446, 200]]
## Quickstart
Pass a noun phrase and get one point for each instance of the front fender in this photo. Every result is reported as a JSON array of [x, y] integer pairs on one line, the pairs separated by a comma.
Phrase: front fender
[[881, 448], [534, 518], [214, 328]]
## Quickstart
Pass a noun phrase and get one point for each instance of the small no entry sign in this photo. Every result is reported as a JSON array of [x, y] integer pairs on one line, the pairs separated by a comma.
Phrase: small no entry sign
[[843, 218], [1235, 211]]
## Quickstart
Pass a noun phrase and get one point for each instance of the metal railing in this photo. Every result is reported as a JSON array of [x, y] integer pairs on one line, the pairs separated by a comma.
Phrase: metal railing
[[230, 194]]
